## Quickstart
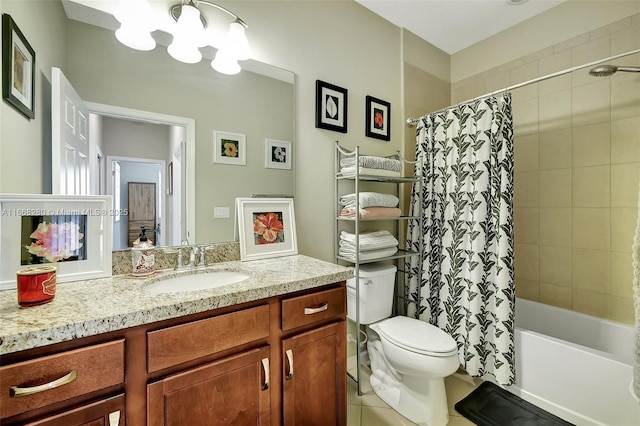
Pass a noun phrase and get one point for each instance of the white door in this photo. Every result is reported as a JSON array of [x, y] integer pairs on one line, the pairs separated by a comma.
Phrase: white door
[[71, 168]]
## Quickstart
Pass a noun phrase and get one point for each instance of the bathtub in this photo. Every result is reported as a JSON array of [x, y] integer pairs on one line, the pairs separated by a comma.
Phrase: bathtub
[[575, 366]]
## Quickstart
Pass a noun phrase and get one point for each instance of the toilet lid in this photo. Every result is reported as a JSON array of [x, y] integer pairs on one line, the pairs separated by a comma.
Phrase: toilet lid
[[417, 336]]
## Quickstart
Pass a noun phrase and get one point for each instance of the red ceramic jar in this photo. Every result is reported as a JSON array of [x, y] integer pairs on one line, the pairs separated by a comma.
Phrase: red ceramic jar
[[36, 285]]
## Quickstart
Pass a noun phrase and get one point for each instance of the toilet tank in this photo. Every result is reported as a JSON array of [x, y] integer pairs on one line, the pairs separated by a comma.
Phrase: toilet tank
[[376, 292]]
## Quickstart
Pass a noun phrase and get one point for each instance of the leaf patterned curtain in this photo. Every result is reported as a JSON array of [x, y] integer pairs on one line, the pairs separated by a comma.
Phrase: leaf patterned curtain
[[465, 199]]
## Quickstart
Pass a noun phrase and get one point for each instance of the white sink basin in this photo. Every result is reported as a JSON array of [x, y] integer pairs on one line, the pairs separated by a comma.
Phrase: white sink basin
[[194, 282]]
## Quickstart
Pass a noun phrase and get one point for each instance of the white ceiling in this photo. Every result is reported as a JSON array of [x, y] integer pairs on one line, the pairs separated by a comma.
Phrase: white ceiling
[[452, 25]]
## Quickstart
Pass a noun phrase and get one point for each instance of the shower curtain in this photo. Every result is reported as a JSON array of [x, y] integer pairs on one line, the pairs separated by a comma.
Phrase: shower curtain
[[635, 254], [465, 200]]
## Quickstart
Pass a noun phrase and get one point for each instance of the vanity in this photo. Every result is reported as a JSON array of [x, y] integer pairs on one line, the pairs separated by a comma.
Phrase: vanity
[[270, 349]]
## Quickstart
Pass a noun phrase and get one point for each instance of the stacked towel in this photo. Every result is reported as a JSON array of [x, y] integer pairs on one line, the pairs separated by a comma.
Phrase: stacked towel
[[372, 245], [369, 199], [371, 212], [369, 165]]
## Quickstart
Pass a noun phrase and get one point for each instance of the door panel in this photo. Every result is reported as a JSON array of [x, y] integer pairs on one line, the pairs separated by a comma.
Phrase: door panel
[[69, 138]]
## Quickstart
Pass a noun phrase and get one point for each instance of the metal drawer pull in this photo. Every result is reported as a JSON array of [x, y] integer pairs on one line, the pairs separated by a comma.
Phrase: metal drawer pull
[[114, 418], [265, 367], [15, 391], [289, 353], [311, 311]]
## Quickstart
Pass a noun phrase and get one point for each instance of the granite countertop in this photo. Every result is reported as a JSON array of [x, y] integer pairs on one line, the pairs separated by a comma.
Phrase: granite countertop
[[86, 308]]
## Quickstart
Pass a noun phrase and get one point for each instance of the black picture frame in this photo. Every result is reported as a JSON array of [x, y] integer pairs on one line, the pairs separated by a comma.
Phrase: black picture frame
[[18, 68], [331, 107], [378, 118]]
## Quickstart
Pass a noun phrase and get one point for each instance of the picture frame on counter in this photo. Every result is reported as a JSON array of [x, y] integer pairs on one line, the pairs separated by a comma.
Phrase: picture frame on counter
[[18, 68], [378, 118], [70, 232], [331, 107], [267, 228], [277, 154], [229, 148]]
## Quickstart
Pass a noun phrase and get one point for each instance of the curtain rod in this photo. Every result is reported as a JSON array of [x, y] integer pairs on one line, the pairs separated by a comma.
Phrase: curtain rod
[[413, 121]]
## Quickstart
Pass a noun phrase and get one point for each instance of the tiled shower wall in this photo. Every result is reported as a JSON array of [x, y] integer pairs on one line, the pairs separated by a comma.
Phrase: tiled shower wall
[[577, 171]]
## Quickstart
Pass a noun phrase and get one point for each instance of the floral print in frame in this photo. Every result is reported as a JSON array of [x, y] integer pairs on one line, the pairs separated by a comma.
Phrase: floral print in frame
[[277, 154], [229, 148]]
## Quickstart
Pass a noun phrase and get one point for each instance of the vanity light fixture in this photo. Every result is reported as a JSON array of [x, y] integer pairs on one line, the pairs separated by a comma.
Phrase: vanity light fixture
[[137, 23]]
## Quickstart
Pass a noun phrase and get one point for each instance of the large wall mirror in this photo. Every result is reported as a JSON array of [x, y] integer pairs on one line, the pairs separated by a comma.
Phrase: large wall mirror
[[258, 103]]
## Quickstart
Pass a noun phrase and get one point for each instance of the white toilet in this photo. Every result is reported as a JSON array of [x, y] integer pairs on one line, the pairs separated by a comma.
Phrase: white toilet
[[409, 358]]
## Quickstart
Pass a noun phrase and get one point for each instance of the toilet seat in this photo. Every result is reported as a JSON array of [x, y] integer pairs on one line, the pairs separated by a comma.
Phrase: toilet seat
[[417, 336]]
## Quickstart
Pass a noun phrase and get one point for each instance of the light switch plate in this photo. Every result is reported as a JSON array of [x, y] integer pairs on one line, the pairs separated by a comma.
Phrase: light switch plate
[[221, 212]]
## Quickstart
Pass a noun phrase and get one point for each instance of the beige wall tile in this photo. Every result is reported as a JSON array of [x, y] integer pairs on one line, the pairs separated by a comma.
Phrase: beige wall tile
[[623, 228], [622, 274], [592, 303], [527, 289], [554, 295], [555, 188], [592, 270], [555, 227], [592, 229], [555, 111], [525, 189], [553, 63], [591, 145], [525, 115], [555, 265], [590, 103], [622, 309], [526, 261], [625, 180], [625, 101], [555, 149], [526, 225], [625, 138], [589, 52], [591, 186], [625, 40], [526, 152], [525, 72], [497, 80]]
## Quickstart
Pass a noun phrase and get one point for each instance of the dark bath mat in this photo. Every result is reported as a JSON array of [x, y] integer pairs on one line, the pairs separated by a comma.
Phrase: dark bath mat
[[490, 405]]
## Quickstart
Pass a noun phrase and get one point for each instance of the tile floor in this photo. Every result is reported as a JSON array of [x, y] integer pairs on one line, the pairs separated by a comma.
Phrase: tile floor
[[369, 410]]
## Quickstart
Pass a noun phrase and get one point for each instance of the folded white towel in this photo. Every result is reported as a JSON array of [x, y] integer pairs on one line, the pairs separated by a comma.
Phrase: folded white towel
[[368, 240], [364, 171], [369, 199], [372, 162], [368, 255]]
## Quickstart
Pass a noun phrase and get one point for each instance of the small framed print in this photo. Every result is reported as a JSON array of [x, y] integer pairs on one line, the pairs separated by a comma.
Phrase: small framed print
[[331, 107], [229, 148], [277, 154], [267, 228], [18, 68], [70, 232], [378, 115]]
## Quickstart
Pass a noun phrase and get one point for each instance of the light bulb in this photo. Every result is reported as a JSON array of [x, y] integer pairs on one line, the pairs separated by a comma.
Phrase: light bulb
[[188, 36], [137, 23], [237, 42], [225, 63]]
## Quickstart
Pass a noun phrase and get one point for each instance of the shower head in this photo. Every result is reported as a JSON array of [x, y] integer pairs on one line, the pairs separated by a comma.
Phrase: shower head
[[607, 70]]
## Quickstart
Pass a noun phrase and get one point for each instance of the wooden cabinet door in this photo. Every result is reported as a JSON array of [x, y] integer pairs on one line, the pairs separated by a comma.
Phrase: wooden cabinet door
[[314, 382], [106, 412], [142, 210], [231, 391]]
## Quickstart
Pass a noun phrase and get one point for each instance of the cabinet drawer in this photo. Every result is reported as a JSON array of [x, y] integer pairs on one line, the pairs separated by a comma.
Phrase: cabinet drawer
[[314, 307], [174, 345], [108, 411], [42, 381]]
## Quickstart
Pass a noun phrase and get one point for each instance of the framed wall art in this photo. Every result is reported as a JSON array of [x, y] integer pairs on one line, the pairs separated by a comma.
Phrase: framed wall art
[[229, 148], [331, 107], [277, 154], [71, 232], [378, 118], [18, 68], [267, 228]]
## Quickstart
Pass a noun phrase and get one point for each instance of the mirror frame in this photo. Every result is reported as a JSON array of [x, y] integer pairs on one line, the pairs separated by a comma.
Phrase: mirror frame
[[190, 141]]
